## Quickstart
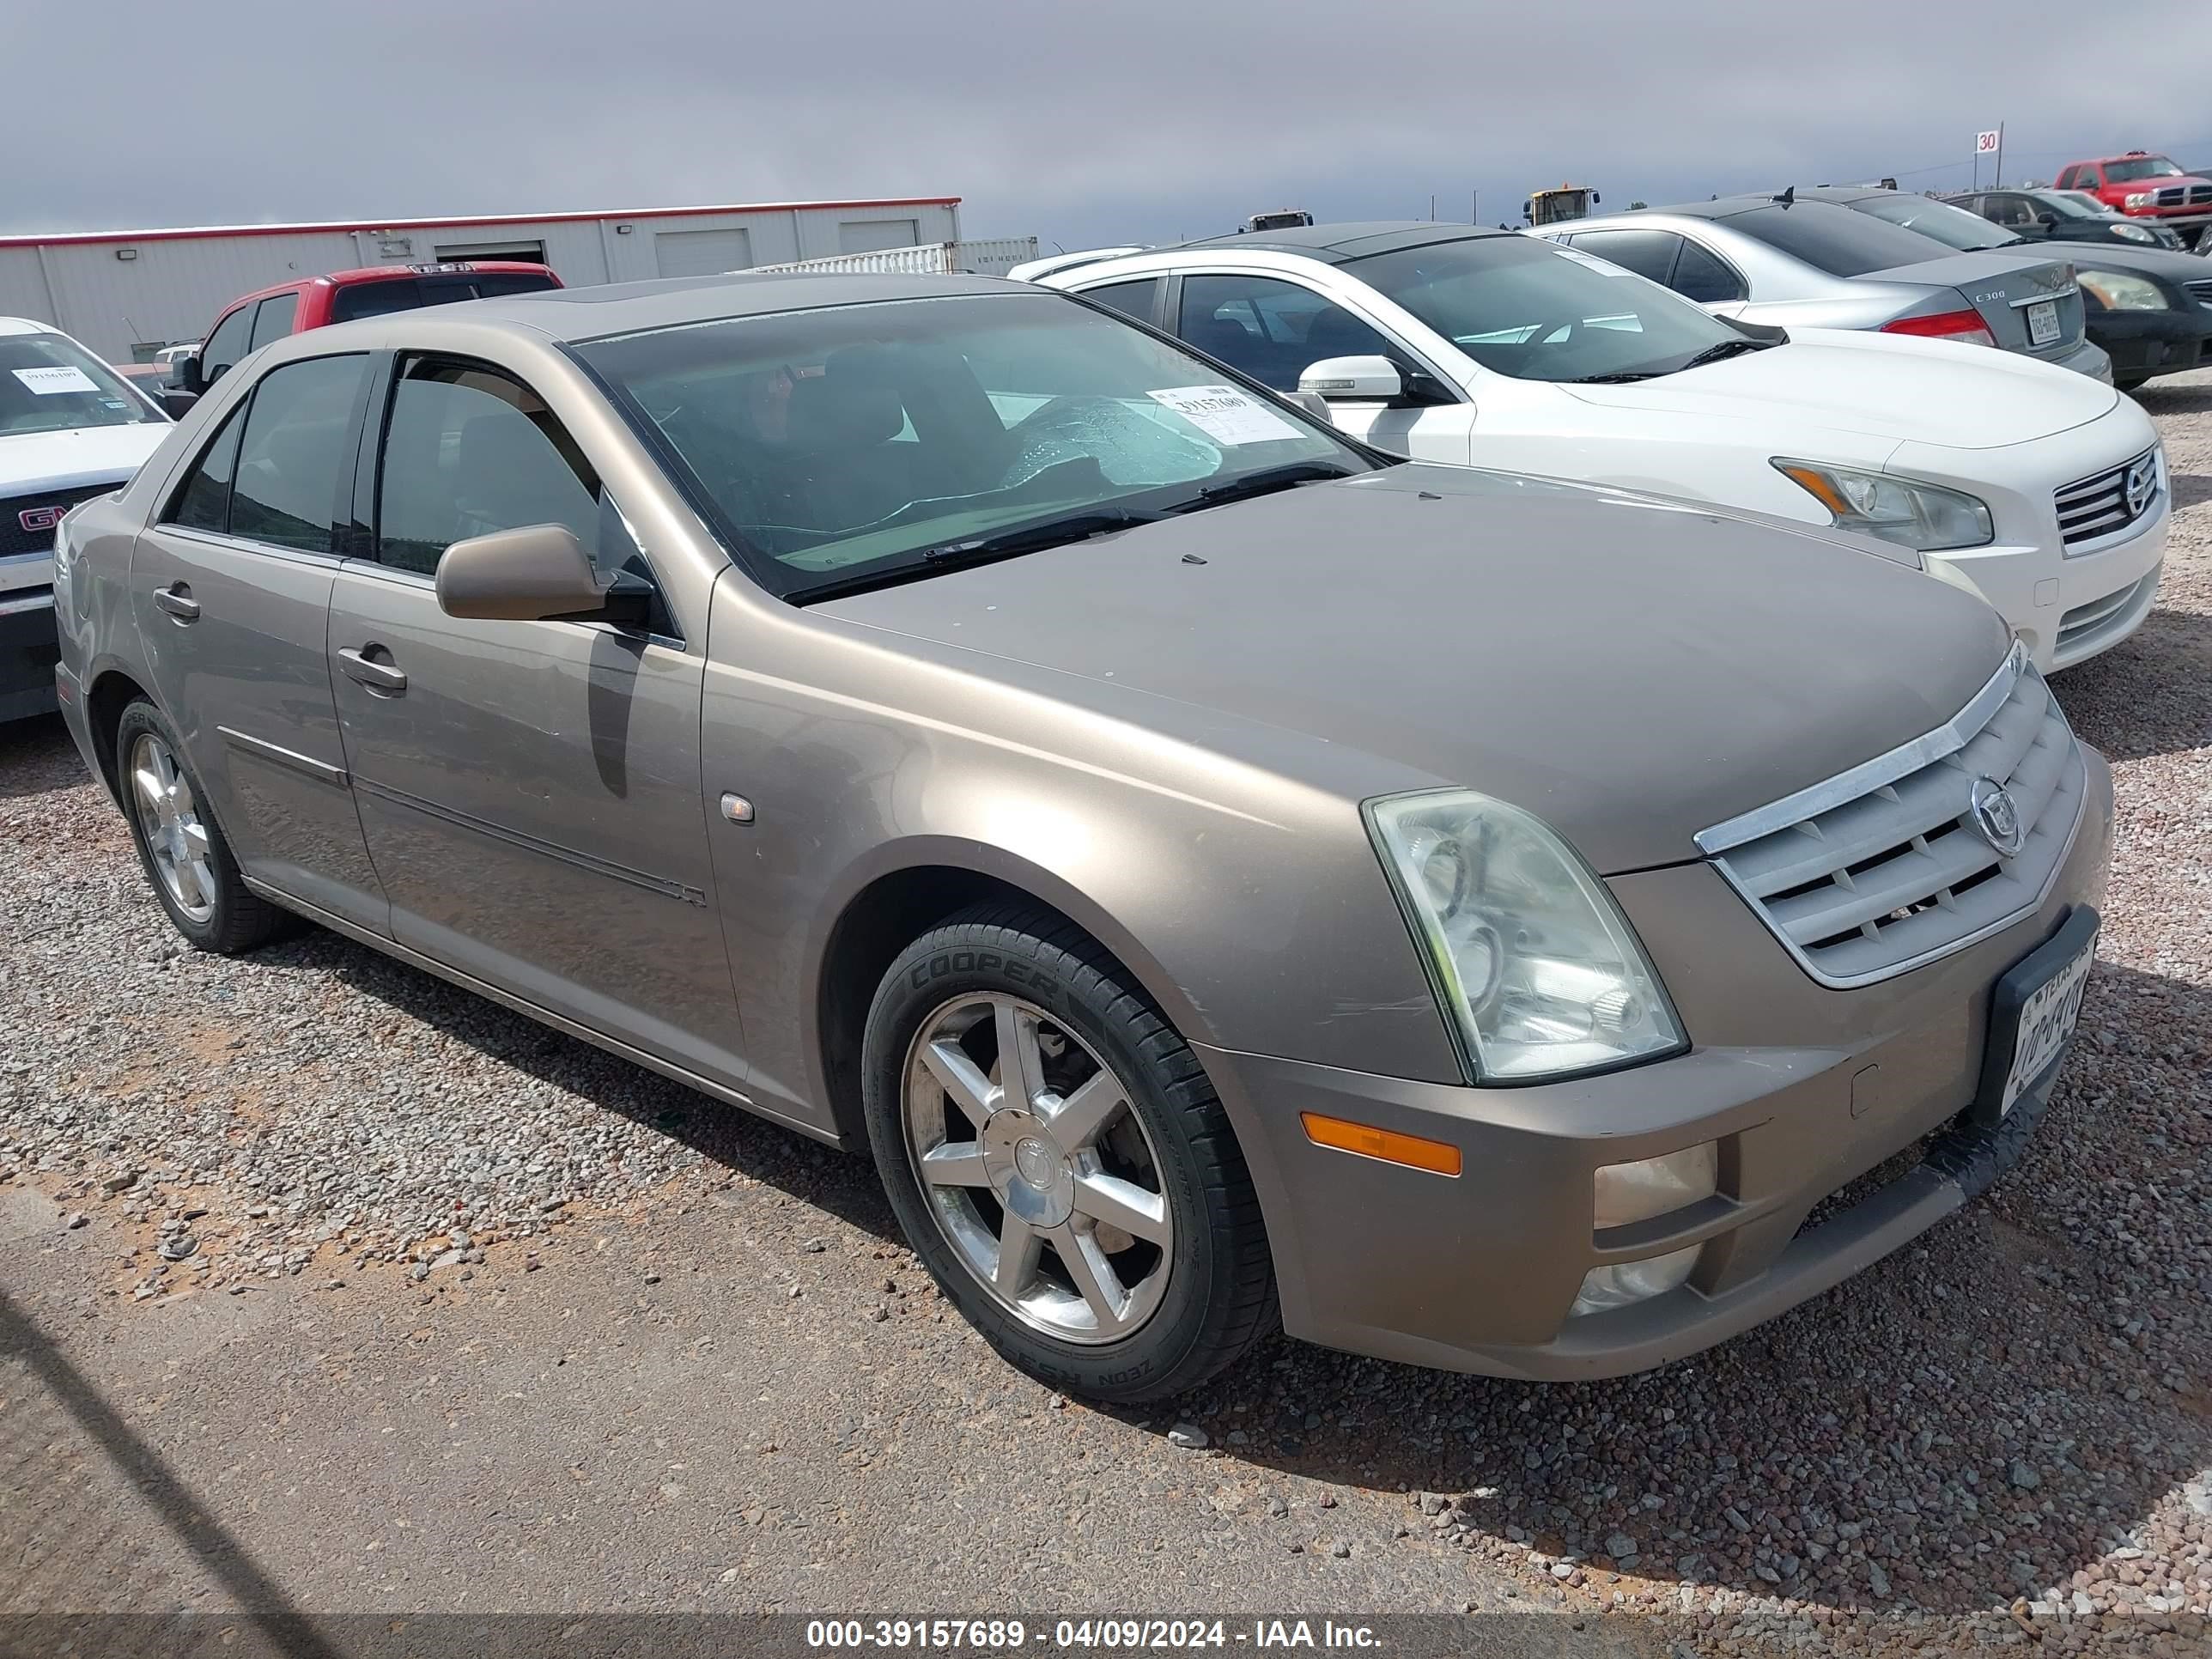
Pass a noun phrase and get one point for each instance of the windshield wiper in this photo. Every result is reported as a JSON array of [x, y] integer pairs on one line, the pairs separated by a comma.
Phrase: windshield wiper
[[1266, 482], [1621, 378], [1032, 537], [982, 549], [1713, 353]]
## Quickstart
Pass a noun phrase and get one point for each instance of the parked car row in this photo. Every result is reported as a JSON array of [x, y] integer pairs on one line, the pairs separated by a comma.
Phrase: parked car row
[[2041, 489], [1228, 873]]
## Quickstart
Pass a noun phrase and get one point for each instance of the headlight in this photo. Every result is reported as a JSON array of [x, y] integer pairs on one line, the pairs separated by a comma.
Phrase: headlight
[[2139, 198], [2133, 233], [2116, 291], [1531, 956], [1924, 516]]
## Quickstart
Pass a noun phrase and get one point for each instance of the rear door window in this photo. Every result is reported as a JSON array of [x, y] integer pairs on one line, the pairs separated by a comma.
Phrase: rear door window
[[204, 501], [1131, 299], [294, 452], [272, 319], [1835, 239], [1702, 276], [1647, 253]]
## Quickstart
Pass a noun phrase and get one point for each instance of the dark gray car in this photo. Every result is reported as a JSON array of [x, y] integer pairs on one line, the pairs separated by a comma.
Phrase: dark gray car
[[1791, 259], [1224, 876]]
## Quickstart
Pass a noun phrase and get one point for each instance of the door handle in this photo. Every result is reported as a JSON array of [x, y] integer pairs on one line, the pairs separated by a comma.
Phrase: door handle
[[177, 599], [376, 676]]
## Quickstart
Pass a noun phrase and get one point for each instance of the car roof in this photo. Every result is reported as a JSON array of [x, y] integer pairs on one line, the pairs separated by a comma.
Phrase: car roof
[[592, 313], [362, 274], [1334, 244], [24, 325]]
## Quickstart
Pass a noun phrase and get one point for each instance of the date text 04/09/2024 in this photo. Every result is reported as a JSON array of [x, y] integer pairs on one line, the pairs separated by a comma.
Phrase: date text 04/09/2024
[[1085, 1634]]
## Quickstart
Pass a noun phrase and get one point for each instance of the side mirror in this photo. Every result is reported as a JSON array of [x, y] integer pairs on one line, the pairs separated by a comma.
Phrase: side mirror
[[1595, 198], [1353, 381], [536, 573], [2048, 221], [186, 373], [176, 402]]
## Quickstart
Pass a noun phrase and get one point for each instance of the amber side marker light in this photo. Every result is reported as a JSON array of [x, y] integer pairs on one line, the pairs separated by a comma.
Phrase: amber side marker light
[[1387, 1145]]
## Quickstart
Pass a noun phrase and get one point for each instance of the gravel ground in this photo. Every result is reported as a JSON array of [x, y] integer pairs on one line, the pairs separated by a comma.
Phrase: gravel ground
[[2002, 1435]]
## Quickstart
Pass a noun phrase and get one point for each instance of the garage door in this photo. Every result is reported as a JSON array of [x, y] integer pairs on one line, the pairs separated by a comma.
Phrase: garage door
[[701, 252]]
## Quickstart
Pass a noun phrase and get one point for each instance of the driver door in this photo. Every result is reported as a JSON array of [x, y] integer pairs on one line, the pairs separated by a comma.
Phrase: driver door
[[1272, 328]]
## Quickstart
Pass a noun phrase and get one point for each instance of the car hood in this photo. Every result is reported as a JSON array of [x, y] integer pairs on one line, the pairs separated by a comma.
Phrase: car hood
[[2172, 264], [1631, 669], [77, 457], [1956, 396]]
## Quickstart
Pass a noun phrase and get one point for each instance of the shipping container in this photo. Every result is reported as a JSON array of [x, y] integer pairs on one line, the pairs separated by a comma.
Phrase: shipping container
[[993, 257]]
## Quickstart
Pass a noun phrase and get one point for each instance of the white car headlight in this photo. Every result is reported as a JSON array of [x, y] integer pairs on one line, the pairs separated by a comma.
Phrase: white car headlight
[[1923, 516], [2134, 234], [2117, 291], [1531, 958]]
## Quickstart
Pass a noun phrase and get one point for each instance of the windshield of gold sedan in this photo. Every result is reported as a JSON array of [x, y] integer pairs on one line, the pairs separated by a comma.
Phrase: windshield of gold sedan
[[1520, 305], [840, 443]]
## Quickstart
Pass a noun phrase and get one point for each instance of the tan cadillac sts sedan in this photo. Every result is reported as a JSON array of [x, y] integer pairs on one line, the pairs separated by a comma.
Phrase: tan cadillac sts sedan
[[1224, 876]]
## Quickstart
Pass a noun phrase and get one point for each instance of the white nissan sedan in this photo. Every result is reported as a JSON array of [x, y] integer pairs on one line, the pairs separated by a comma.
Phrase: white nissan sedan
[[2044, 489]]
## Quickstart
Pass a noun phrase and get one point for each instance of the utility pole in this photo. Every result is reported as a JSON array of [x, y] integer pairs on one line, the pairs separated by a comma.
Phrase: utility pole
[[1474, 207], [1999, 182], [1432, 207]]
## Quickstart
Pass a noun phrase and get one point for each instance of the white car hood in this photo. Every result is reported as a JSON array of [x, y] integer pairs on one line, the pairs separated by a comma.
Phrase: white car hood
[[1908, 391], [77, 457]]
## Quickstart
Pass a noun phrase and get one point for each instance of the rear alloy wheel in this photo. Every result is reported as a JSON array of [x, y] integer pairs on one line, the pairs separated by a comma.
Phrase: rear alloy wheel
[[181, 845], [1059, 1161]]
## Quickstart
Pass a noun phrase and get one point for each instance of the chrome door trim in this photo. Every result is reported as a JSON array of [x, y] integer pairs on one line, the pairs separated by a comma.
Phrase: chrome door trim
[[292, 757], [652, 884]]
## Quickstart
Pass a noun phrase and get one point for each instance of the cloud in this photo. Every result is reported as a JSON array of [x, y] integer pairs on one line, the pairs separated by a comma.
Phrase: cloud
[[1079, 122]]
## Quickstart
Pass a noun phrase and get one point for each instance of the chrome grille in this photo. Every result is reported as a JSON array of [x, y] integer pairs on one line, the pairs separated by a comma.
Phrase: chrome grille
[[2199, 194], [2098, 506], [16, 536], [2081, 628], [2171, 196], [1883, 867]]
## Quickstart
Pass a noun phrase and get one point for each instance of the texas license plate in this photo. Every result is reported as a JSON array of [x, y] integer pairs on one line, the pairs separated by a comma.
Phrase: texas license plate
[[2043, 322], [2045, 1019]]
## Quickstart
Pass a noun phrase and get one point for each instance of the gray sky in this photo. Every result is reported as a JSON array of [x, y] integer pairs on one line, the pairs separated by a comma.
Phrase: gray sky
[[1078, 121]]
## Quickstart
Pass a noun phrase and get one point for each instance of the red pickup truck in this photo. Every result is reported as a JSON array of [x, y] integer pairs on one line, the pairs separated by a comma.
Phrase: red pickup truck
[[309, 302], [2145, 186]]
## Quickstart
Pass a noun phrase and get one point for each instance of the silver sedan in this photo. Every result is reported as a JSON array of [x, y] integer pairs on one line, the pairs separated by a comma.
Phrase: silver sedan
[[1787, 261]]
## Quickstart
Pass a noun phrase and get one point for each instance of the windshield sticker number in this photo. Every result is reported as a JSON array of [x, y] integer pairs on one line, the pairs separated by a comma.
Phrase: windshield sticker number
[[45, 382], [1224, 414]]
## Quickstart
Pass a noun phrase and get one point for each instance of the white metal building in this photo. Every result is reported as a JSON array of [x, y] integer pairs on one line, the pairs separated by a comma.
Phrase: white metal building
[[126, 294]]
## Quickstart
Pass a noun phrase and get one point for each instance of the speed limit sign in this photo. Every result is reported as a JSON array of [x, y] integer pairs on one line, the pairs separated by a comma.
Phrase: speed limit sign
[[1985, 143]]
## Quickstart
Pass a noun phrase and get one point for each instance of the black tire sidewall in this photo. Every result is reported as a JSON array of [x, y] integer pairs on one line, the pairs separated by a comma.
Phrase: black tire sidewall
[[144, 718], [946, 965]]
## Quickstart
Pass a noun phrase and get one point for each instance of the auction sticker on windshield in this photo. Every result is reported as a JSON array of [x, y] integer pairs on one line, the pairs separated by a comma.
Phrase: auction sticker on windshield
[[1224, 414], [45, 382]]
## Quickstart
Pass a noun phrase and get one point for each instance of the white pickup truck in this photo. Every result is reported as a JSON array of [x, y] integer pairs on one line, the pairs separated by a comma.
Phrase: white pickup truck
[[70, 429]]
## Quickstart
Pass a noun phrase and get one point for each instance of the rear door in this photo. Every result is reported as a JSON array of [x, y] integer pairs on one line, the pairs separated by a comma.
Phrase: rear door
[[531, 790], [230, 589]]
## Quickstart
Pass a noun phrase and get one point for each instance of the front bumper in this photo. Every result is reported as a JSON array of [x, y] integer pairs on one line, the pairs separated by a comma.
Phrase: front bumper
[[2144, 344], [1804, 1090], [28, 652]]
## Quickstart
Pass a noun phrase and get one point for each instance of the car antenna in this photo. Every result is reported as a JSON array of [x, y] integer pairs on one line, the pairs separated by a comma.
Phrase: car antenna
[[1789, 196]]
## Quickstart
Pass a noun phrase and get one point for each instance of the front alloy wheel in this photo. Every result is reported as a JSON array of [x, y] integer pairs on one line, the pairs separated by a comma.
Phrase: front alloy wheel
[[1037, 1171], [168, 817], [1058, 1159]]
